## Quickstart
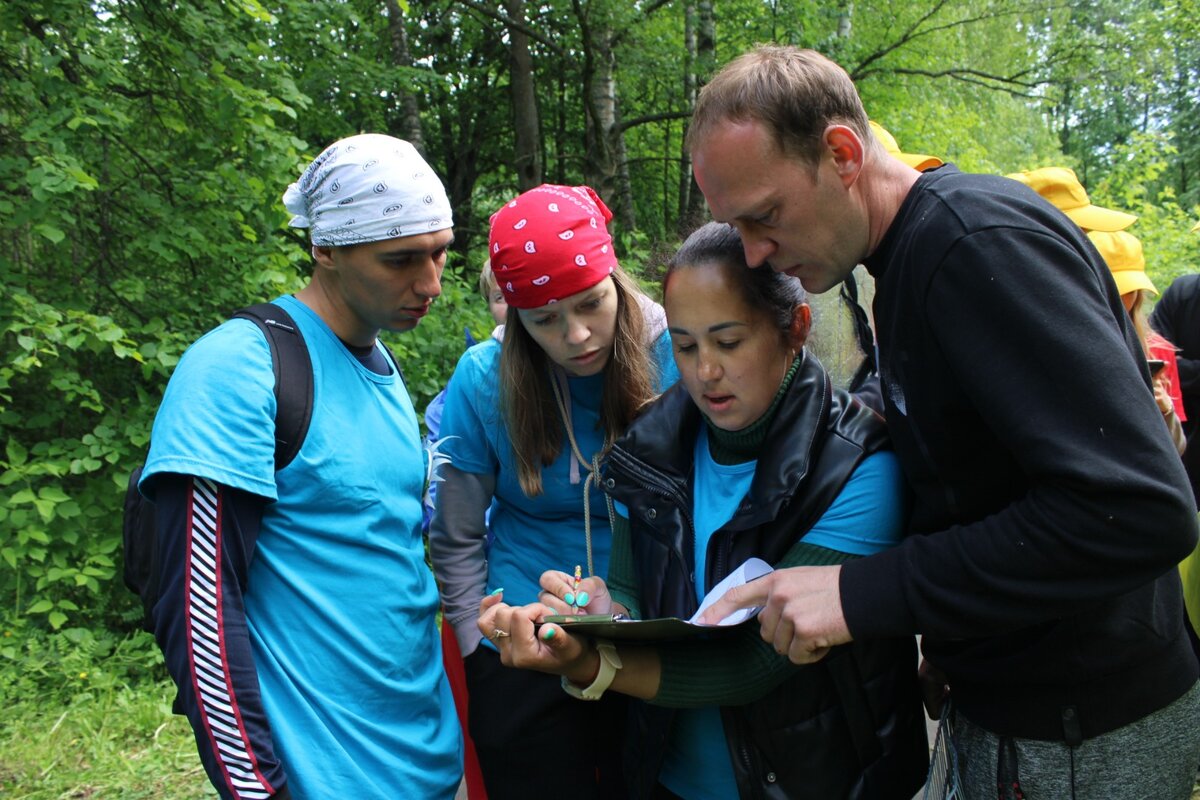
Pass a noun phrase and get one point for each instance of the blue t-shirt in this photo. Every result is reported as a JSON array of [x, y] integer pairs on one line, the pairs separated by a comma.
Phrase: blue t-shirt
[[341, 605], [867, 517], [530, 535]]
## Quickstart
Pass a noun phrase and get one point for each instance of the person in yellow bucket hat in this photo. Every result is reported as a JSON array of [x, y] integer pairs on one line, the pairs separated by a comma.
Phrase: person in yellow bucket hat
[[917, 161], [1064, 191], [1123, 253]]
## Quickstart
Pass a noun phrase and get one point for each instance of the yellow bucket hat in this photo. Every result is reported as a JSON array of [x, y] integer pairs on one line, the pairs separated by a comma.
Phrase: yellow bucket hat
[[915, 160], [1060, 186], [1123, 253]]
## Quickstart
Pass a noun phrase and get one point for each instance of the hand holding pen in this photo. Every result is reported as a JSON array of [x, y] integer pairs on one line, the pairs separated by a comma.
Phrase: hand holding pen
[[574, 594]]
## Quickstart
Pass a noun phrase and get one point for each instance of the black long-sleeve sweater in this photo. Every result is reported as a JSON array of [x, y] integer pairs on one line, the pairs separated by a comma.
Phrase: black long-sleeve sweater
[[1050, 503]]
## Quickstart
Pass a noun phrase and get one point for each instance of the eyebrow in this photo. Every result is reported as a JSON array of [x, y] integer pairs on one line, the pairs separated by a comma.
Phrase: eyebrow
[[720, 326], [416, 251]]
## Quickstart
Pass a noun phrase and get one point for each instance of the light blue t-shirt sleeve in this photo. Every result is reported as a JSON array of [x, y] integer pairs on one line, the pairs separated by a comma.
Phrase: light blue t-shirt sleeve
[[471, 394], [869, 514], [217, 417], [664, 356]]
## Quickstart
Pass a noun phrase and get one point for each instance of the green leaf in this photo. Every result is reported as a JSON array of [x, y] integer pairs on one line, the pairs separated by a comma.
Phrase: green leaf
[[45, 509], [40, 607], [16, 453], [56, 618], [53, 494], [49, 232]]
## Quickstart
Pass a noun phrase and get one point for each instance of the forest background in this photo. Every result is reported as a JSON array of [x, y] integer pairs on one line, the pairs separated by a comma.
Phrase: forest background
[[144, 147]]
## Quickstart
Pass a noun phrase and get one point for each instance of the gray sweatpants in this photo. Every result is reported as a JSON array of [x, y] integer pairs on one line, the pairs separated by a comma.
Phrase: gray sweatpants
[[1154, 758]]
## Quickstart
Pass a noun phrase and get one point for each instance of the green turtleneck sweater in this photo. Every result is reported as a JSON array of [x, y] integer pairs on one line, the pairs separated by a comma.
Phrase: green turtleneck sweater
[[728, 670]]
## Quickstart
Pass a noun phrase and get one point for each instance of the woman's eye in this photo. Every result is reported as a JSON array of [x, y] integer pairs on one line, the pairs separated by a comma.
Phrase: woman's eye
[[543, 321], [729, 345], [684, 348]]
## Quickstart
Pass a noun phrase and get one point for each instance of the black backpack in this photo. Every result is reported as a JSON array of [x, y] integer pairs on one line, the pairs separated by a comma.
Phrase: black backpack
[[293, 412]]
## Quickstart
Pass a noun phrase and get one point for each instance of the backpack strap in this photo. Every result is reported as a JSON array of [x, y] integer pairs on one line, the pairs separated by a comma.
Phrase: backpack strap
[[293, 377]]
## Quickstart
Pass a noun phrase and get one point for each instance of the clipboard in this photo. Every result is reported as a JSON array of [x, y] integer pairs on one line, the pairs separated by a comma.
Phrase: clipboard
[[620, 628], [667, 629]]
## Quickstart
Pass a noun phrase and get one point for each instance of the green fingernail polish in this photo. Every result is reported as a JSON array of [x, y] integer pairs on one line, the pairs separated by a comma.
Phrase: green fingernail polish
[[582, 599], [548, 633], [569, 598], [496, 592]]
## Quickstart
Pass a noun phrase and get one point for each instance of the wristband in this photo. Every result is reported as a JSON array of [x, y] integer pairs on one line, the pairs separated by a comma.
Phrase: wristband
[[610, 662]]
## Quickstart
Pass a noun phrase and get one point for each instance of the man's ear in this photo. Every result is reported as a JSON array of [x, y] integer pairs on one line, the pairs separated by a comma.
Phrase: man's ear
[[848, 152], [798, 330], [323, 255]]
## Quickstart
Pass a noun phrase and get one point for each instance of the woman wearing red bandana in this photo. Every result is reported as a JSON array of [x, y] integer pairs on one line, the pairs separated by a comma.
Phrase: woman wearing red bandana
[[525, 422]]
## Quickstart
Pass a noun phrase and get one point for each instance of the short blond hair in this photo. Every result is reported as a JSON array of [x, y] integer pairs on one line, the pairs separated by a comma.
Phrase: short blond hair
[[795, 93], [487, 281]]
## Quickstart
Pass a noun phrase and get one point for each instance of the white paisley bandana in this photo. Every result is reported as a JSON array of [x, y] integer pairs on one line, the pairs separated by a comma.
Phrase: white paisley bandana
[[368, 188]]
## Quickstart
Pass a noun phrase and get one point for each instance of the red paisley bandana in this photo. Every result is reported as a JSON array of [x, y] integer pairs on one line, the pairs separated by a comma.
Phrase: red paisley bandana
[[549, 243]]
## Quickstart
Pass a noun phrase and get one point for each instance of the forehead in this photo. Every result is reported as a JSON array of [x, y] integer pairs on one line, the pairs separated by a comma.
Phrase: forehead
[[737, 166], [703, 291], [570, 300], [417, 243]]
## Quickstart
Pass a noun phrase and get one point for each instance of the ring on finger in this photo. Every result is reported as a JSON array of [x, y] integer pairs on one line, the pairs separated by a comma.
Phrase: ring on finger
[[498, 634]]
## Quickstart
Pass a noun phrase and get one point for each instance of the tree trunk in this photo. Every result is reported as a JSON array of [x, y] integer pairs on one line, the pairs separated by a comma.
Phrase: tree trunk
[[703, 56], [606, 167], [409, 124], [690, 81], [524, 101]]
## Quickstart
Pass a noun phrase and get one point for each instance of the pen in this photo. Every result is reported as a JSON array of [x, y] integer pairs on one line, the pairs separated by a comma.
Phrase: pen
[[575, 589]]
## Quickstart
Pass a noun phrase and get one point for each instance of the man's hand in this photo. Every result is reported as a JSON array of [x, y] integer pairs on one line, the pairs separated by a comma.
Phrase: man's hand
[[802, 611]]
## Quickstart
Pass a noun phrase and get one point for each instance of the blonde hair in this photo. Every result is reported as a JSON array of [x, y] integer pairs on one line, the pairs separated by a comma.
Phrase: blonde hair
[[1137, 313], [796, 94], [527, 398], [487, 281]]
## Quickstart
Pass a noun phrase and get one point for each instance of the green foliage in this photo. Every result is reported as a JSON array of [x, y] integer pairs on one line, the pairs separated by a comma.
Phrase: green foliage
[[129, 230], [1163, 226], [124, 746], [71, 663]]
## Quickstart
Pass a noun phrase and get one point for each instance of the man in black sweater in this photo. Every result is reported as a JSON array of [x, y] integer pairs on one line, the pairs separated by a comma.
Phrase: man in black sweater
[[1050, 507]]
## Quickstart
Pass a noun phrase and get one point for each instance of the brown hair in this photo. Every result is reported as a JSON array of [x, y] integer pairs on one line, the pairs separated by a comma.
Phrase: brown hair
[[795, 93], [527, 399]]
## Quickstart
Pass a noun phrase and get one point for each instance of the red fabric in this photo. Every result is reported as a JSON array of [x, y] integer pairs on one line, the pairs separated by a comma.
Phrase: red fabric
[[457, 675], [550, 243], [1163, 350]]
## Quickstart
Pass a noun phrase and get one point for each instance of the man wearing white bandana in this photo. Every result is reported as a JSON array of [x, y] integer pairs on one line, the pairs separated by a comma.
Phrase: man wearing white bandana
[[297, 612]]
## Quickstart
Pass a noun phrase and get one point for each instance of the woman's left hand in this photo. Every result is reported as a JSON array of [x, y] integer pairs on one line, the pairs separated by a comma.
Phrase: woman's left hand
[[523, 645]]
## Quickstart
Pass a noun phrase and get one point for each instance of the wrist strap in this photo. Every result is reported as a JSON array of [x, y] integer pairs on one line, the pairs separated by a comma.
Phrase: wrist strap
[[610, 662]]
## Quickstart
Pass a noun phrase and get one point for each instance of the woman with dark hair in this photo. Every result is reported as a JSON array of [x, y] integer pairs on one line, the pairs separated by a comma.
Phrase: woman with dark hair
[[751, 454], [525, 423]]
